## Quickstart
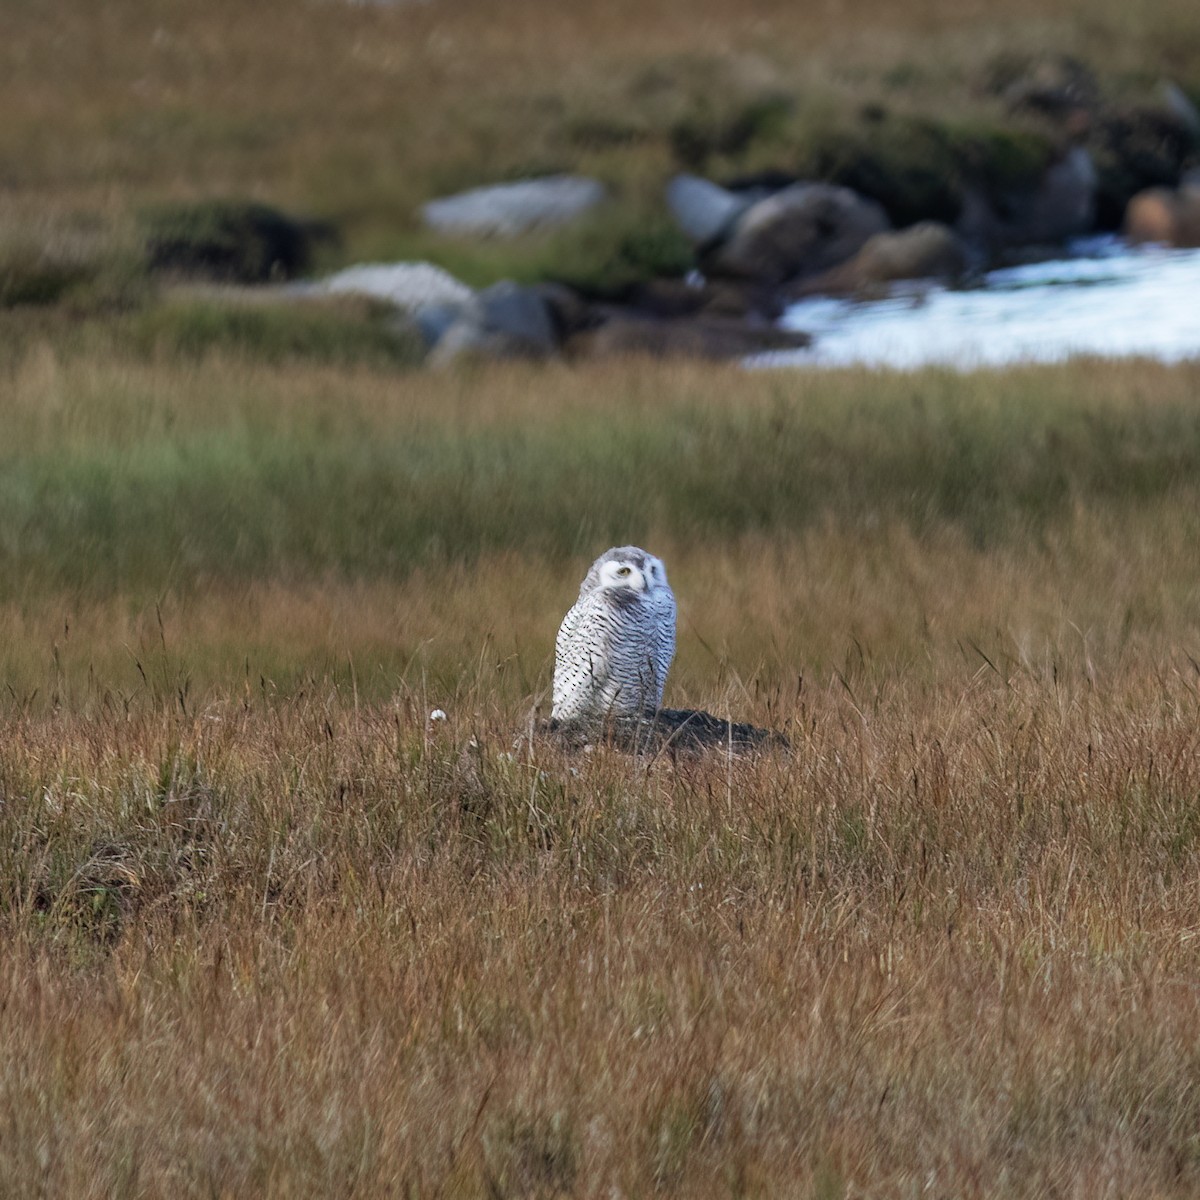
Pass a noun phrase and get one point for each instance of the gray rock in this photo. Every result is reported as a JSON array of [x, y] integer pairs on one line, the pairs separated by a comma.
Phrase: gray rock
[[503, 321], [798, 231], [705, 211], [520, 314], [927, 250], [510, 209]]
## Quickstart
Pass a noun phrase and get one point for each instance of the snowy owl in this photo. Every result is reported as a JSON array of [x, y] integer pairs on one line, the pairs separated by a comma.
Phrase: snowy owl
[[616, 643]]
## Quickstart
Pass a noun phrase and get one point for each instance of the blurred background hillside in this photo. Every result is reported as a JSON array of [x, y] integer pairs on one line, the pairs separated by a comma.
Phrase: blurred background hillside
[[355, 114]]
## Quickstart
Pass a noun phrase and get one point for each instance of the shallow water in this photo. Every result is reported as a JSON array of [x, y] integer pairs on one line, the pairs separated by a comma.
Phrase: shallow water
[[1106, 299]]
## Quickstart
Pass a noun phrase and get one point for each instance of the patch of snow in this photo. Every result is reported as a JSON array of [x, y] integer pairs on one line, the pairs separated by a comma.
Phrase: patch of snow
[[1107, 300]]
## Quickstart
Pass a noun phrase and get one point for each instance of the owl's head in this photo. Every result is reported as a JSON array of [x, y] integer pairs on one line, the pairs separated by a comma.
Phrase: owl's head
[[626, 571]]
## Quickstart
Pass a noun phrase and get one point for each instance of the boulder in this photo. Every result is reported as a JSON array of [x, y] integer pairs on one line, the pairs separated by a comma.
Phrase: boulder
[[927, 250], [521, 314], [503, 321], [711, 337], [1061, 205], [1170, 216], [801, 230], [510, 209], [704, 211]]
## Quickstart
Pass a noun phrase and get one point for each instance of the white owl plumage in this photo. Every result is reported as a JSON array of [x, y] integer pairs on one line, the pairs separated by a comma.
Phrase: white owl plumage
[[616, 644]]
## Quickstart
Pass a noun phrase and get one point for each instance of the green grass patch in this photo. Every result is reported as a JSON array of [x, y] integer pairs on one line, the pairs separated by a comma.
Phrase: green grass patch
[[339, 333], [256, 497]]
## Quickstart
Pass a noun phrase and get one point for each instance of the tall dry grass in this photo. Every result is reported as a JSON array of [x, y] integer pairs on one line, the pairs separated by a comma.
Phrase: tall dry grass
[[267, 930], [291, 945]]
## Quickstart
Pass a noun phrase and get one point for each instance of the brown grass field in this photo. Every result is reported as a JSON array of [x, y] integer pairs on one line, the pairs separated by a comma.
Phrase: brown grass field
[[265, 930], [268, 932]]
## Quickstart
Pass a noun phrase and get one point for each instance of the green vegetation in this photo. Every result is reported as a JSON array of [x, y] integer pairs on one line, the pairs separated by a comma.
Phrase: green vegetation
[[276, 492], [344, 332]]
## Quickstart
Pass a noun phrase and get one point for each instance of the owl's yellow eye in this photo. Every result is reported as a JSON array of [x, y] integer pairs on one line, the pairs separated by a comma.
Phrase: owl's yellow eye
[[623, 571]]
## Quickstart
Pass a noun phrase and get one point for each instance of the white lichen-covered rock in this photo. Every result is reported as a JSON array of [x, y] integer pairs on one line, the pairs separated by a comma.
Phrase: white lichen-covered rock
[[409, 286], [509, 209]]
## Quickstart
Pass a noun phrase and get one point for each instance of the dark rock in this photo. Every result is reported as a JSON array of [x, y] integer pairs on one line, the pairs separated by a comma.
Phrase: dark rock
[[803, 229], [713, 337], [928, 250], [669, 729]]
